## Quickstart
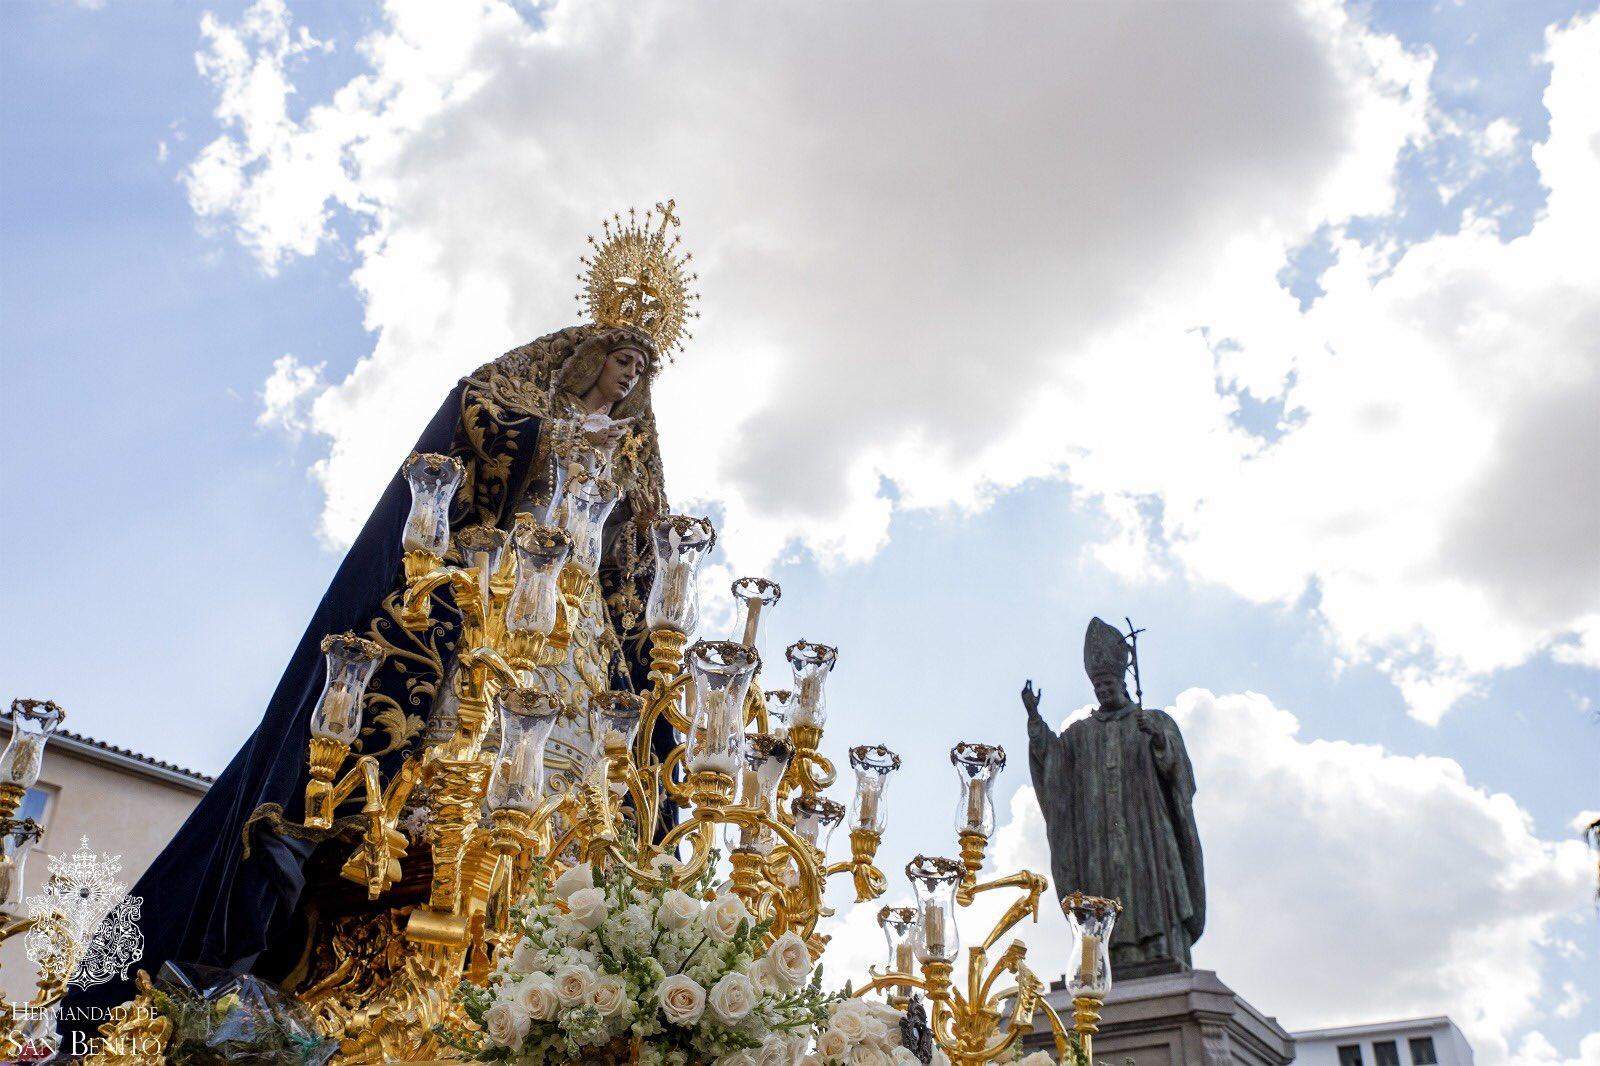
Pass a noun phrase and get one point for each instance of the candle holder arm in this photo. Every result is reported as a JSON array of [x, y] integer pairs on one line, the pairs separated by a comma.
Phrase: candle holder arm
[[1032, 885]]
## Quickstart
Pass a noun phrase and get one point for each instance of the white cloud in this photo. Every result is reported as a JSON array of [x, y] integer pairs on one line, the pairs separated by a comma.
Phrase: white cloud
[[1345, 883], [1536, 1050], [959, 253], [1500, 136], [286, 394]]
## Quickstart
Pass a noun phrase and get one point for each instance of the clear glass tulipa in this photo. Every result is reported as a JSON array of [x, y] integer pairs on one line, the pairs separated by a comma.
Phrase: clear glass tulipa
[[753, 598], [977, 765], [812, 663], [681, 544], [766, 757], [873, 763], [433, 479], [586, 503], [899, 926], [1091, 919], [541, 552], [934, 881], [32, 723], [527, 718], [721, 671], [349, 662]]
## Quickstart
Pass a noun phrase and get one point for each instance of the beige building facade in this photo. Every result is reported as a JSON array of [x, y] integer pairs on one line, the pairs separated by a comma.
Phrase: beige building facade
[[127, 804]]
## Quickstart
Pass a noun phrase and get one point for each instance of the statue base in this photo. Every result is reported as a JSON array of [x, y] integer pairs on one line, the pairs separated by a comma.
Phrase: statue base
[[1185, 1018]]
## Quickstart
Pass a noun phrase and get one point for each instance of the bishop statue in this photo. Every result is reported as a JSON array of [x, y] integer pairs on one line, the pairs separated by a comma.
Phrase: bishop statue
[[1117, 793]]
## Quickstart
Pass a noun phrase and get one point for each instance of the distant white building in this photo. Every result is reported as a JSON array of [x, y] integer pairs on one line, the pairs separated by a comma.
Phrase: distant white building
[[1415, 1042], [126, 803]]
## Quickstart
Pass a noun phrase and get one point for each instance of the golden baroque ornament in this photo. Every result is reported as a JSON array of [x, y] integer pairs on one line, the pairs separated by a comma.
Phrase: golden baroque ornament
[[637, 277]]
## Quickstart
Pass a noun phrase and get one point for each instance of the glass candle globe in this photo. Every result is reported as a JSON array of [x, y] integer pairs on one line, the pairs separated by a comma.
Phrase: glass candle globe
[[934, 880], [681, 544], [977, 765], [32, 722], [766, 757], [350, 662], [1091, 919], [812, 663], [527, 718], [780, 704], [618, 715], [752, 596], [433, 479], [585, 505], [815, 819], [541, 552], [720, 673], [574, 456], [873, 764], [900, 930], [481, 547], [13, 858]]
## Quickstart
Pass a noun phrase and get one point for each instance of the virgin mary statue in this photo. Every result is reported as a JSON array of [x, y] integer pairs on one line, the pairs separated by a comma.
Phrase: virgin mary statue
[[228, 890]]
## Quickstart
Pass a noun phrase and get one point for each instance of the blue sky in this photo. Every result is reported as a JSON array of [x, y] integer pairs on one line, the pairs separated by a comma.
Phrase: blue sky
[[166, 547]]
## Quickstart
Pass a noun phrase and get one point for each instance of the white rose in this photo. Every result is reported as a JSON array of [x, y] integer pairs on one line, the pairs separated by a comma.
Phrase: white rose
[[678, 909], [732, 998], [609, 996], [761, 976], [901, 1057], [525, 959], [587, 907], [1038, 1058], [506, 1024], [724, 915], [573, 985], [682, 1000], [536, 997], [738, 1058], [580, 876], [850, 1021], [779, 1050], [789, 960], [833, 1044], [867, 1055]]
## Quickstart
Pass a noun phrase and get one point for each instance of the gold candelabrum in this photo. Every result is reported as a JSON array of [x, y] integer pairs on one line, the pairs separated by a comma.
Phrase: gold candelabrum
[[532, 649], [745, 775], [980, 1018], [32, 723]]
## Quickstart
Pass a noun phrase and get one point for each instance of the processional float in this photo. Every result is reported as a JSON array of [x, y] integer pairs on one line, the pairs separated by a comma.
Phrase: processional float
[[745, 779]]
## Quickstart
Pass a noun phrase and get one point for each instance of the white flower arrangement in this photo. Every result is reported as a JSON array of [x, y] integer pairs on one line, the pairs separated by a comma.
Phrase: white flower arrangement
[[862, 1033], [604, 970]]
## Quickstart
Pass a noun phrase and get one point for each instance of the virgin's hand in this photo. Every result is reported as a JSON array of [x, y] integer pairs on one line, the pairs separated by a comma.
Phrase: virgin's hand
[[607, 437], [1030, 698]]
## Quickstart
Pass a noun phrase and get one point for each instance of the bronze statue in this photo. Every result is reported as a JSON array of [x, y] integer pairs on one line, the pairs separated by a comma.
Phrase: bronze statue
[[1117, 793]]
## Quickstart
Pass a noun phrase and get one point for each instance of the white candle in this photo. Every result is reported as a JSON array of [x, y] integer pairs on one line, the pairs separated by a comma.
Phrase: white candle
[[1089, 965], [868, 815], [903, 958], [933, 930], [752, 621], [975, 804]]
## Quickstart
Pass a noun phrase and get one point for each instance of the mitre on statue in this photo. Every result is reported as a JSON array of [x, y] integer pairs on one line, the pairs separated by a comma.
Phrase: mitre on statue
[[1105, 650]]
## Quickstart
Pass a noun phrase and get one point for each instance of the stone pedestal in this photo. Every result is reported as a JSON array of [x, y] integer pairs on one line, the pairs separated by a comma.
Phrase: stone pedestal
[[1178, 1019]]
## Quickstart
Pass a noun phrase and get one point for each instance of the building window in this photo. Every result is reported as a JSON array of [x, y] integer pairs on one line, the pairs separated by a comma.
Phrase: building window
[[37, 803], [1350, 1055], [1422, 1051], [1385, 1053]]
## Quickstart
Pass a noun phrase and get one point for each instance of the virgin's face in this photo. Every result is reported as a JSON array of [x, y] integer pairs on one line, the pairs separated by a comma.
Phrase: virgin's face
[[620, 373]]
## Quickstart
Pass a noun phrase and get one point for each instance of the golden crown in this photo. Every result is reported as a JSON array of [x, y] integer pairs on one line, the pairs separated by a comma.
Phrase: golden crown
[[637, 277]]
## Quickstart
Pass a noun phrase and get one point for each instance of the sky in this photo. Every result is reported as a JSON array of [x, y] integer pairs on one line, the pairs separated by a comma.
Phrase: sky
[[1274, 327]]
